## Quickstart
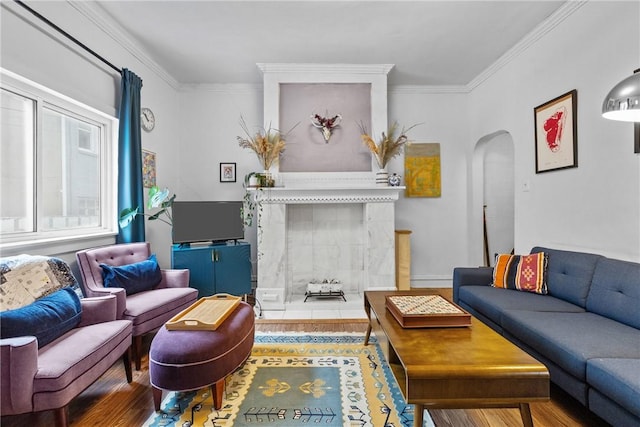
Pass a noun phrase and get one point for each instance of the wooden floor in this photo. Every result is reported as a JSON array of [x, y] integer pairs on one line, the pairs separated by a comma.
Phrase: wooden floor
[[110, 401]]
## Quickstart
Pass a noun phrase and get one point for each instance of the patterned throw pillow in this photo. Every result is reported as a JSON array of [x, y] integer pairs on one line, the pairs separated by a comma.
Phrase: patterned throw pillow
[[521, 272], [26, 278]]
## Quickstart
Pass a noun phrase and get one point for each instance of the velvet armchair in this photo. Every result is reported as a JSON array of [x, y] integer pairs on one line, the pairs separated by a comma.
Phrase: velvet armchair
[[147, 305], [47, 378]]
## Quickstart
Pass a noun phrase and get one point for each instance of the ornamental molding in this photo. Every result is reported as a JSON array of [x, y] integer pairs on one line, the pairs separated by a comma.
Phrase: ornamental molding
[[360, 195]]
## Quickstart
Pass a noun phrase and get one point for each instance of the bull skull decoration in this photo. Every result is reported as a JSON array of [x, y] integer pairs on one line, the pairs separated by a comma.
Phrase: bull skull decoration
[[326, 124]]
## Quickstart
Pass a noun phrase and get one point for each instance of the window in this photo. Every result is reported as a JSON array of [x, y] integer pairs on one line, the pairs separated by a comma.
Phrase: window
[[56, 163]]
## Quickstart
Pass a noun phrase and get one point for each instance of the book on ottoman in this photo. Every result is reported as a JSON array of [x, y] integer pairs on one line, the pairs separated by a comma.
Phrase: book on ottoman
[[426, 311]]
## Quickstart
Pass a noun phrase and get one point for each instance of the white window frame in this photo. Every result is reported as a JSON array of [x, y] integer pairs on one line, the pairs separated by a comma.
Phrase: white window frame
[[67, 240]]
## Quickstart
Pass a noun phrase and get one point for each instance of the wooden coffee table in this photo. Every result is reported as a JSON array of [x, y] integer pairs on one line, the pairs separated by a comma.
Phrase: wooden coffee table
[[455, 368]]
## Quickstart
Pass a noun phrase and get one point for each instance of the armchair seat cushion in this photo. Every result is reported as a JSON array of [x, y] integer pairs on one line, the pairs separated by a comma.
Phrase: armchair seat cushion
[[46, 319], [64, 363], [151, 309]]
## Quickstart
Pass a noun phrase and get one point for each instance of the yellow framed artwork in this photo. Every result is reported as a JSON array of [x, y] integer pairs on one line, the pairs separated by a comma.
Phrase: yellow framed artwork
[[422, 170]]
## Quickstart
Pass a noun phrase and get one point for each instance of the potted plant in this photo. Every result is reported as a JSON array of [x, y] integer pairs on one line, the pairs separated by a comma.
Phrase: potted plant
[[158, 199]]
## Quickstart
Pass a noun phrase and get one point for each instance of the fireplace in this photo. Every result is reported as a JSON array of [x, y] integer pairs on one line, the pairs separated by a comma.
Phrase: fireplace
[[308, 233], [326, 220]]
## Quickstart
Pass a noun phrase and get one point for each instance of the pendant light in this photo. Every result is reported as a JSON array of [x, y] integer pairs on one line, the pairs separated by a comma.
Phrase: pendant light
[[623, 101]]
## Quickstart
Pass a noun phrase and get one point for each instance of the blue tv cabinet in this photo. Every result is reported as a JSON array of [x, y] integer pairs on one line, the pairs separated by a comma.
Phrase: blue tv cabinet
[[215, 268]]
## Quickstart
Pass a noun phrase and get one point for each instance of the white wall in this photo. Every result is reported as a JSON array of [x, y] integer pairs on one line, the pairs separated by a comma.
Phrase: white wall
[[596, 206], [210, 123], [37, 52], [438, 225]]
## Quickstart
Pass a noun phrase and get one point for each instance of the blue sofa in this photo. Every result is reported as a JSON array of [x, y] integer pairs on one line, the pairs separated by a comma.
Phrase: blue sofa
[[586, 329]]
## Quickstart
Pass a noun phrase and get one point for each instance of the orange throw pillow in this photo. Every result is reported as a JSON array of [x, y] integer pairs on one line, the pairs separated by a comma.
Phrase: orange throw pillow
[[521, 272]]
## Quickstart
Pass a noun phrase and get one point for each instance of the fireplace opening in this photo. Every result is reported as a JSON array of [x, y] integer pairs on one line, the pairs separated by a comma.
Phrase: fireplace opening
[[325, 244]]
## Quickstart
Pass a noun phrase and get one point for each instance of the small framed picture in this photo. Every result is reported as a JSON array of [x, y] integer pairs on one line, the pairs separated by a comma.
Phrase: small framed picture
[[227, 172], [556, 133]]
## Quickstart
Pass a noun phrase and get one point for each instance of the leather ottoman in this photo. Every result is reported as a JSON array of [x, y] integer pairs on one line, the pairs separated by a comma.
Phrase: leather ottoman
[[184, 360]]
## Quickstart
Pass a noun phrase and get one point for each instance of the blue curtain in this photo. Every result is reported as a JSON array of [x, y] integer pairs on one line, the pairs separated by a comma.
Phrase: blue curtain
[[130, 191]]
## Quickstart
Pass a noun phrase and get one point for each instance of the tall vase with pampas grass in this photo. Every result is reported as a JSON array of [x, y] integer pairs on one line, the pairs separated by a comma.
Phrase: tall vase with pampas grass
[[268, 144], [386, 149]]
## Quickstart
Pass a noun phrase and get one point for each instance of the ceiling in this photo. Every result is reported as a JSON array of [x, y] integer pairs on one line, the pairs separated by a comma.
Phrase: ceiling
[[430, 42]]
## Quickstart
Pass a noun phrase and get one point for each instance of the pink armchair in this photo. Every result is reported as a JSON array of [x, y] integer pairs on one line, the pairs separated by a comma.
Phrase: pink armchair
[[39, 379], [149, 309]]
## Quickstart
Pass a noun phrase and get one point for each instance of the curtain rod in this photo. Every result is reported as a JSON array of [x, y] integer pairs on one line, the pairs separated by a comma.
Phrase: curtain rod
[[69, 36]]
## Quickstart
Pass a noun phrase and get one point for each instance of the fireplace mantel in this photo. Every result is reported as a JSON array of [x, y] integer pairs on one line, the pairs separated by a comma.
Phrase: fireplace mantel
[[311, 195], [351, 220]]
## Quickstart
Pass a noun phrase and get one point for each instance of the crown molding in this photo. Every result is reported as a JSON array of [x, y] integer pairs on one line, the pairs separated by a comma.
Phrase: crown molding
[[562, 13], [325, 68], [427, 89], [100, 19], [230, 88]]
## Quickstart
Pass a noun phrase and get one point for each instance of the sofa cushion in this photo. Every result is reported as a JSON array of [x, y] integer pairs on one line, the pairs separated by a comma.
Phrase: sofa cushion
[[46, 319], [569, 274], [521, 272], [491, 302], [618, 379], [134, 278], [570, 339], [615, 291]]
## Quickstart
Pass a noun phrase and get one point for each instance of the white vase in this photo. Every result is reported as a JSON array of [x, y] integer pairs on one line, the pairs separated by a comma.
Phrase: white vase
[[254, 181], [382, 178]]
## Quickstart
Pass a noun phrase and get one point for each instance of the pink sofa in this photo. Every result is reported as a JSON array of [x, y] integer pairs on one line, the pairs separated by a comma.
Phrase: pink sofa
[[38, 379]]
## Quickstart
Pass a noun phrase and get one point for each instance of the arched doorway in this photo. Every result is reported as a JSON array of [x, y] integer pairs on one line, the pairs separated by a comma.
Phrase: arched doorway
[[492, 197]]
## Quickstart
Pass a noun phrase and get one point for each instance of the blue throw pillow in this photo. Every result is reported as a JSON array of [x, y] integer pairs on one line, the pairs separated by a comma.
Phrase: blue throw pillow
[[134, 278], [46, 319]]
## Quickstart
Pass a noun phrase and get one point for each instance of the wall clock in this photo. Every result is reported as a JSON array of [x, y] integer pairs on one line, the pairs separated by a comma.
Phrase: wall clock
[[147, 119]]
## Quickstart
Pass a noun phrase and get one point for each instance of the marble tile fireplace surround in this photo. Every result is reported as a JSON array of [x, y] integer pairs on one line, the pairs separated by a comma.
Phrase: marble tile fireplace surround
[[326, 219], [324, 230]]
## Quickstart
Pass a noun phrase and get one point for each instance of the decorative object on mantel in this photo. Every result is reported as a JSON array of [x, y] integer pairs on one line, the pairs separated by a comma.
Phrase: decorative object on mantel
[[389, 147], [422, 170], [394, 180], [157, 199], [326, 124], [267, 143]]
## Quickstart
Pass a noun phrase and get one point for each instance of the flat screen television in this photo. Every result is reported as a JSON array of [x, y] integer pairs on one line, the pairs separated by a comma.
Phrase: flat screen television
[[207, 221]]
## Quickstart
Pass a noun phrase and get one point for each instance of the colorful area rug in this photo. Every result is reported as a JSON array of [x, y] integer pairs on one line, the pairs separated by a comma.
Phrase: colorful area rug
[[297, 380]]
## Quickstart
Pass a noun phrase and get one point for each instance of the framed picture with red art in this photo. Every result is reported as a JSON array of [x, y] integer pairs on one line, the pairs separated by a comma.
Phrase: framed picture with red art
[[556, 133]]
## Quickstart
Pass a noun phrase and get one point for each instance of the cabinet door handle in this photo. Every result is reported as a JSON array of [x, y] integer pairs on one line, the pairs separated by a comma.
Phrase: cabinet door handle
[[215, 257]]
